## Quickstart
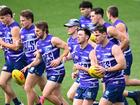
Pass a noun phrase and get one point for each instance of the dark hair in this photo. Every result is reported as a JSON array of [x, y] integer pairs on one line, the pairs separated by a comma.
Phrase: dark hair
[[113, 10], [43, 26], [5, 11], [99, 11], [100, 28], [27, 14], [86, 30], [85, 4]]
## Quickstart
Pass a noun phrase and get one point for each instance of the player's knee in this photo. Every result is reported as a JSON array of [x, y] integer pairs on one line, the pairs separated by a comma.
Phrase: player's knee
[[41, 86], [70, 95], [2, 84], [27, 88]]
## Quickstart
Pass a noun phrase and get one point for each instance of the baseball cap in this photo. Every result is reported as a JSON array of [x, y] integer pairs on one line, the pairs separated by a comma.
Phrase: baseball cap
[[72, 22]]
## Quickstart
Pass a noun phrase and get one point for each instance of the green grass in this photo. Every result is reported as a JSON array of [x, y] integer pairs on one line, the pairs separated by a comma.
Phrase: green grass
[[57, 12]]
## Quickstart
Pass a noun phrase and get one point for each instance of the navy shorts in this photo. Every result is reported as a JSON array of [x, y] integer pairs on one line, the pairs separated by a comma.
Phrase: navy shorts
[[11, 64], [114, 93], [86, 93], [56, 78], [38, 70], [129, 60]]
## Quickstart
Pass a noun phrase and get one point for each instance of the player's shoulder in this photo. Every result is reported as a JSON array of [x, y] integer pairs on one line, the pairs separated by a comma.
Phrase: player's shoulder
[[14, 24]]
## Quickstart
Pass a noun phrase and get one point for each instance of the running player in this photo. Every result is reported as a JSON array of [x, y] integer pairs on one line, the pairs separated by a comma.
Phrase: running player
[[72, 27], [113, 34], [109, 59], [112, 14], [88, 86], [48, 48], [85, 19], [85, 10], [29, 39], [14, 56]]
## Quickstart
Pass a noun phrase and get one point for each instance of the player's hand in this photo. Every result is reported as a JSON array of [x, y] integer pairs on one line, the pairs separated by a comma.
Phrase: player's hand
[[1, 47], [55, 62], [18, 43], [74, 75], [74, 68], [100, 69], [25, 68], [1, 42], [64, 59], [77, 67]]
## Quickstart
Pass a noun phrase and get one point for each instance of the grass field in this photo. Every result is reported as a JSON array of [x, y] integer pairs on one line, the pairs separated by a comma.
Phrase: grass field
[[57, 12]]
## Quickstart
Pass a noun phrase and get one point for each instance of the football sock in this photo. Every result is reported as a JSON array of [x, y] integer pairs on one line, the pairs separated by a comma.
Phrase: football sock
[[135, 95], [7, 104], [95, 103], [132, 94], [16, 101], [39, 104], [125, 101], [41, 99]]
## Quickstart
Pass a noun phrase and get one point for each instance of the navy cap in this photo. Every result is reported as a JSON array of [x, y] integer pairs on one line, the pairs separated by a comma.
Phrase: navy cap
[[72, 22]]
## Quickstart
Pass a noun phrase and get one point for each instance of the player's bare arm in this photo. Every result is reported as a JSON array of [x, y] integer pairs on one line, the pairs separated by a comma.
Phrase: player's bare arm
[[93, 59], [119, 56], [35, 62], [121, 27], [122, 37], [67, 58], [60, 44]]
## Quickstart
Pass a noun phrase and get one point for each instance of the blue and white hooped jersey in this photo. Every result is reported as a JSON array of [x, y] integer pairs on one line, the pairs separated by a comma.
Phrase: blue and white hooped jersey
[[49, 53], [29, 40], [82, 57], [128, 50], [2, 27], [9, 53], [85, 22], [2, 34], [72, 43], [106, 59]]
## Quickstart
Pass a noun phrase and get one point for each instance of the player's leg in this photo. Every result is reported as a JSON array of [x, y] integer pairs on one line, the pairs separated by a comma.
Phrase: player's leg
[[42, 82], [90, 95], [30, 83], [7, 99], [127, 71], [4, 79], [135, 95], [57, 79], [48, 90], [78, 98], [119, 103], [72, 90], [87, 102], [131, 82], [34, 77], [113, 93], [57, 92], [77, 102], [104, 101]]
